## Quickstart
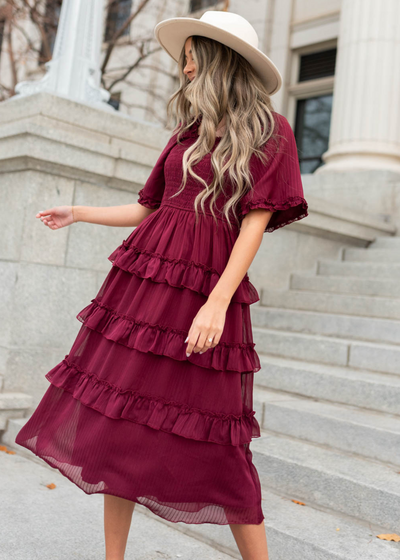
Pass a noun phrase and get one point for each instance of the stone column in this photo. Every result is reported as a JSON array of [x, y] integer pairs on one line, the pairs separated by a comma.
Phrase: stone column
[[365, 126], [74, 70]]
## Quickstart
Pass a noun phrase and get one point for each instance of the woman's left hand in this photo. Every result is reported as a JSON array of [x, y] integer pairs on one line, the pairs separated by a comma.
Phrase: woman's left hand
[[207, 324]]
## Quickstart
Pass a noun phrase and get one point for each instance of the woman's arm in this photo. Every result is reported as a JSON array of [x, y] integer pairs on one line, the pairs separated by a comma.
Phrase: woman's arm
[[127, 215], [209, 321]]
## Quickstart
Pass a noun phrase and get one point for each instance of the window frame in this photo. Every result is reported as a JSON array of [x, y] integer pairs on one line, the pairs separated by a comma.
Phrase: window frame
[[309, 88]]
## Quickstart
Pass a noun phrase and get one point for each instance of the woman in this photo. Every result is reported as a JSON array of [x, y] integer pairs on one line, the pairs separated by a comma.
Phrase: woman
[[153, 404]]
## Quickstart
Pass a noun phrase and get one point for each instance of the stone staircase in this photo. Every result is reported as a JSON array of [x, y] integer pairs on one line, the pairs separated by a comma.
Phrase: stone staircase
[[327, 399]]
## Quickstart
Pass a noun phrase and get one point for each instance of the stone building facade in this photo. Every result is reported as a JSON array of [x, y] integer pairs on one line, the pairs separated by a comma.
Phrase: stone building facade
[[327, 326]]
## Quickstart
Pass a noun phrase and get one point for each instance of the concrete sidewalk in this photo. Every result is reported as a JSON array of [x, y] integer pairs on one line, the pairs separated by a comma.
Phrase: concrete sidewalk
[[66, 524]]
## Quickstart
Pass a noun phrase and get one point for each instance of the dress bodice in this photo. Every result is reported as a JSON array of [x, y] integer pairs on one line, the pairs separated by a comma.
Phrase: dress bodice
[[173, 174]]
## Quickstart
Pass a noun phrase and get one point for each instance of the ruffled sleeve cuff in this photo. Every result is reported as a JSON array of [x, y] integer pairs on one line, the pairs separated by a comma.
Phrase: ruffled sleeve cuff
[[291, 210], [148, 201]]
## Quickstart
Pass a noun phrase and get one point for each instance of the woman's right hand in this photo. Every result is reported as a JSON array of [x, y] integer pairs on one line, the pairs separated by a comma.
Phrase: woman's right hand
[[58, 217]]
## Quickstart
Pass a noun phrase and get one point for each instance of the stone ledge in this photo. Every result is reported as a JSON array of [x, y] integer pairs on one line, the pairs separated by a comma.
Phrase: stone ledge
[[13, 405], [342, 224], [85, 117]]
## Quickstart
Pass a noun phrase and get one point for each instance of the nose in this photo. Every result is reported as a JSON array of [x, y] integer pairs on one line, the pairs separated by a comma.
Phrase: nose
[[189, 70]]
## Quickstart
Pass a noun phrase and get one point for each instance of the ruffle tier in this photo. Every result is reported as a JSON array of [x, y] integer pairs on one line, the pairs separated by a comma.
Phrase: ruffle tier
[[157, 413], [178, 273], [167, 341]]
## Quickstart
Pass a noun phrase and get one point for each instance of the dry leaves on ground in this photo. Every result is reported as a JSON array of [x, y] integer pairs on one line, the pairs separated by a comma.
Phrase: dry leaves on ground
[[4, 448], [392, 537]]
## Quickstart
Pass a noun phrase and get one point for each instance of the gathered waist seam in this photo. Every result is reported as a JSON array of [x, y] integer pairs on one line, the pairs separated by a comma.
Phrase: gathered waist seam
[[168, 204]]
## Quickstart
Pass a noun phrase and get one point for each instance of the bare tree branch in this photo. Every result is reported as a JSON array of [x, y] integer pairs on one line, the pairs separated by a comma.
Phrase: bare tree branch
[[132, 67], [40, 20], [119, 33]]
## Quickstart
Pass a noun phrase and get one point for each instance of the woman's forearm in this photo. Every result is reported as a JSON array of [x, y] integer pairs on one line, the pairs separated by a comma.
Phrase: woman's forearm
[[127, 215], [242, 255]]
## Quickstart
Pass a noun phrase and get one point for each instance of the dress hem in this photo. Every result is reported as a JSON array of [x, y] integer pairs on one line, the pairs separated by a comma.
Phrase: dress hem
[[118, 495]]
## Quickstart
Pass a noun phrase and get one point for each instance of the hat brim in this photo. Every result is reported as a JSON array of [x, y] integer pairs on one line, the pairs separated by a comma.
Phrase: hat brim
[[173, 32]]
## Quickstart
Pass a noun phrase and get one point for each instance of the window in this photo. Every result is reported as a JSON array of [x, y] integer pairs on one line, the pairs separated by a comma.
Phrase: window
[[115, 100], [196, 5], [313, 117], [311, 97], [118, 12], [51, 18], [2, 24]]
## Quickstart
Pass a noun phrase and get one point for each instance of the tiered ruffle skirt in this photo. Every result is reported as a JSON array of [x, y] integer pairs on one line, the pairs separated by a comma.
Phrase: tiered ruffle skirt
[[127, 413]]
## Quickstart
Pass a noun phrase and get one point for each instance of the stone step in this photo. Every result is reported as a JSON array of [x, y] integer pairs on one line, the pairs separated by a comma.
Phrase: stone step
[[327, 324], [346, 285], [13, 405], [376, 391], [377, 255], [367, 306], [384, 242], [13, 426], [386, 271], [368, 433], [369, 356], [317, 475], [303, 532]]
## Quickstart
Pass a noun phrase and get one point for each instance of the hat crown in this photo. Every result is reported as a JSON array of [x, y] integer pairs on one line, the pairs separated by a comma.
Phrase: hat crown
[[232, 23]]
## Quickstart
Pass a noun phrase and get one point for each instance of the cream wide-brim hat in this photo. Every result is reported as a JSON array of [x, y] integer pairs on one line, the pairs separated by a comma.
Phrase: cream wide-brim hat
[[228, 28]]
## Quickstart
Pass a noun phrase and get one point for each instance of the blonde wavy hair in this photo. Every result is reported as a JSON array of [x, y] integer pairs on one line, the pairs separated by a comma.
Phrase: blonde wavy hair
[[225, 83]]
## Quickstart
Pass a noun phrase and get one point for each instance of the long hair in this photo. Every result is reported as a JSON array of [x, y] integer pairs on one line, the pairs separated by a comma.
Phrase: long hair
[[225, 83]]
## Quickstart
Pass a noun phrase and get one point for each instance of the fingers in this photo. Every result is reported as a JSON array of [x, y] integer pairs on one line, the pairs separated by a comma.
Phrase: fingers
[[192, 338], [44, 213], [208, 343], [49, 223], [200, 342], [45, 217]]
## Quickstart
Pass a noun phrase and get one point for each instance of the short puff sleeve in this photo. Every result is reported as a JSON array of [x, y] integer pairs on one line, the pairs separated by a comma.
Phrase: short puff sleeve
[[277, 183], [151, 194]]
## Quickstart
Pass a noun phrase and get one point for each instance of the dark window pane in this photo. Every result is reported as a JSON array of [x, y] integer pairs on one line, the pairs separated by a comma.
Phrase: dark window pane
[[115, 100], [196, 5], [118, 12], [313, 119], [2, 24], [317, 65], [51, 18]]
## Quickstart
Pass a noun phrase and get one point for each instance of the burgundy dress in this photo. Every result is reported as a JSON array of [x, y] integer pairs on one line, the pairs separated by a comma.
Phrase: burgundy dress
[[127, 413]]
